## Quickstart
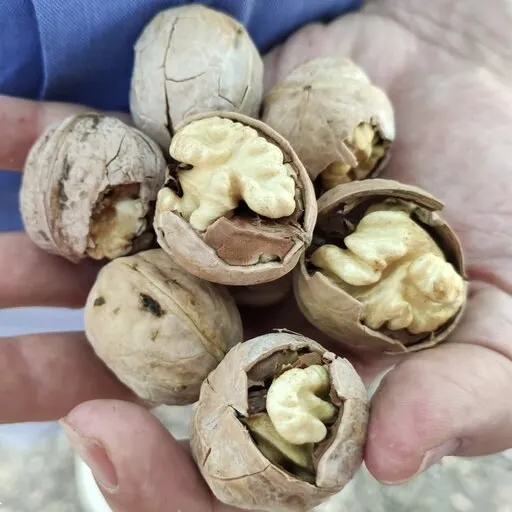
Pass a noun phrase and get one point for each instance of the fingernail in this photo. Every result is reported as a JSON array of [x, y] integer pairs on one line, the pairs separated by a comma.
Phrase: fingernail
[[93, 453], [434, 455]]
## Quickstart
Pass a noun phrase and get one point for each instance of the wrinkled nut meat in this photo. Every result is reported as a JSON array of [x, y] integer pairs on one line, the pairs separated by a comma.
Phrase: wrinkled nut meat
[[89, 188], [238, 207], [340, 125], [280, 424], [192, 59], [384, 270], [158, 328]]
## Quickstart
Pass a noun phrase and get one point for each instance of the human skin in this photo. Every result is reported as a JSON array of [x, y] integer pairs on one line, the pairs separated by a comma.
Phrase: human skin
[[445, 66]]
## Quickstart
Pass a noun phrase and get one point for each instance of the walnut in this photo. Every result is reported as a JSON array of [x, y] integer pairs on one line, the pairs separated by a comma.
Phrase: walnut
[[89, 188], [339, 123], [158, 328], [280, 424], [384, 272], [238, 207], [188, 60]]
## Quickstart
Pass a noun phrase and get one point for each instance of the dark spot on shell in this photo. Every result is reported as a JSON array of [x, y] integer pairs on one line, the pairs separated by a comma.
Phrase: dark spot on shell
[[116, 311], [134, 266], [99, 301], [43, 235], [82, 194], [95, 122], [154, 335], [238, 37], [66, 168], [63, 197], [307, 88], [151, 305]]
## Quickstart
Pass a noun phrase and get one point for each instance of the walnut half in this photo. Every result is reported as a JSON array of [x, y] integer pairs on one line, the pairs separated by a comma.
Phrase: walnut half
[[384, 270], [238, 207], [280, 424], [89, 188]]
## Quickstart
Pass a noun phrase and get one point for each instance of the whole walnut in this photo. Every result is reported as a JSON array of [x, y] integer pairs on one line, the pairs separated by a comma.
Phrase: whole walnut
[[238, 207], [158, 328], [280, 424], [339, 123], [89, 188], [385, 272], [192, 59]]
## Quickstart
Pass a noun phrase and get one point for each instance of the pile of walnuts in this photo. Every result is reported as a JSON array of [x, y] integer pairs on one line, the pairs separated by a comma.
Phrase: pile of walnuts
[[220, 196]]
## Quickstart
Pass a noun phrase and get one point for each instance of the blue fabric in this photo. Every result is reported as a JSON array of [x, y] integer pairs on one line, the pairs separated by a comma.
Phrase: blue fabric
[[81, 51]]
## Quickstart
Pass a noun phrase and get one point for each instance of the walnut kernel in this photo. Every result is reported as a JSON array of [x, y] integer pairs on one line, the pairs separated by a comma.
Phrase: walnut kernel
[[384, 270], [238, 207], [89, 188], [338, 122], [260, 391]]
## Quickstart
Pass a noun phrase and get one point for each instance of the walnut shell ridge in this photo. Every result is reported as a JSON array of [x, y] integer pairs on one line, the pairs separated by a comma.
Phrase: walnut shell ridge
[[192, 59], [159, 329], [231, 463], [336, 313], [186, 246], [70, 169]]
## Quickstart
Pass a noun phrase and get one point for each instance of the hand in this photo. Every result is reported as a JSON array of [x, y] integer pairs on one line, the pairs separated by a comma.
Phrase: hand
[[448, 79], [451, 107]]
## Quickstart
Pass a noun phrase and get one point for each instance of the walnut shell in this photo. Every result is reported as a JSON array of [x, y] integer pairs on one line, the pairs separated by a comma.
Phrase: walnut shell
[[241, 237], [263, 295], [158, 328], [338, 314], [319, 104], [192, 59], [235, 469], [76, 175]]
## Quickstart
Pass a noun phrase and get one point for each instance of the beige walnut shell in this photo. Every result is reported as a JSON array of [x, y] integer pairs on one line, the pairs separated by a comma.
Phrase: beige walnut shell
[[236, 470], [338, 314], [189, 248], [75, 174], [319, 104], [192, 59], [158, 328], [263, 295]]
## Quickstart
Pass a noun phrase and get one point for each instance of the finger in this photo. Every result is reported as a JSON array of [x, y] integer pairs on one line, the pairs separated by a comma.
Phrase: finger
[[22, 122], [137, 464], [44, 376], [453, 400], [33, 277], [455, 393]]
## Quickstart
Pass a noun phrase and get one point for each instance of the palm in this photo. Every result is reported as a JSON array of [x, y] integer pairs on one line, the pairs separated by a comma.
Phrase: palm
[[452, 118], [452, 112]]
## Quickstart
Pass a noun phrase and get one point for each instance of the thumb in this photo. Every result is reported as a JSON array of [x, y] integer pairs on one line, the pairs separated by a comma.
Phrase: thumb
[[23, 121], [451, 400], [137, 464]]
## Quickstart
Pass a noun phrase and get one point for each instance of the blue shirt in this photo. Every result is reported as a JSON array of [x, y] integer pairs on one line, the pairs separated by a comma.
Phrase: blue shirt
[[81, 51]]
